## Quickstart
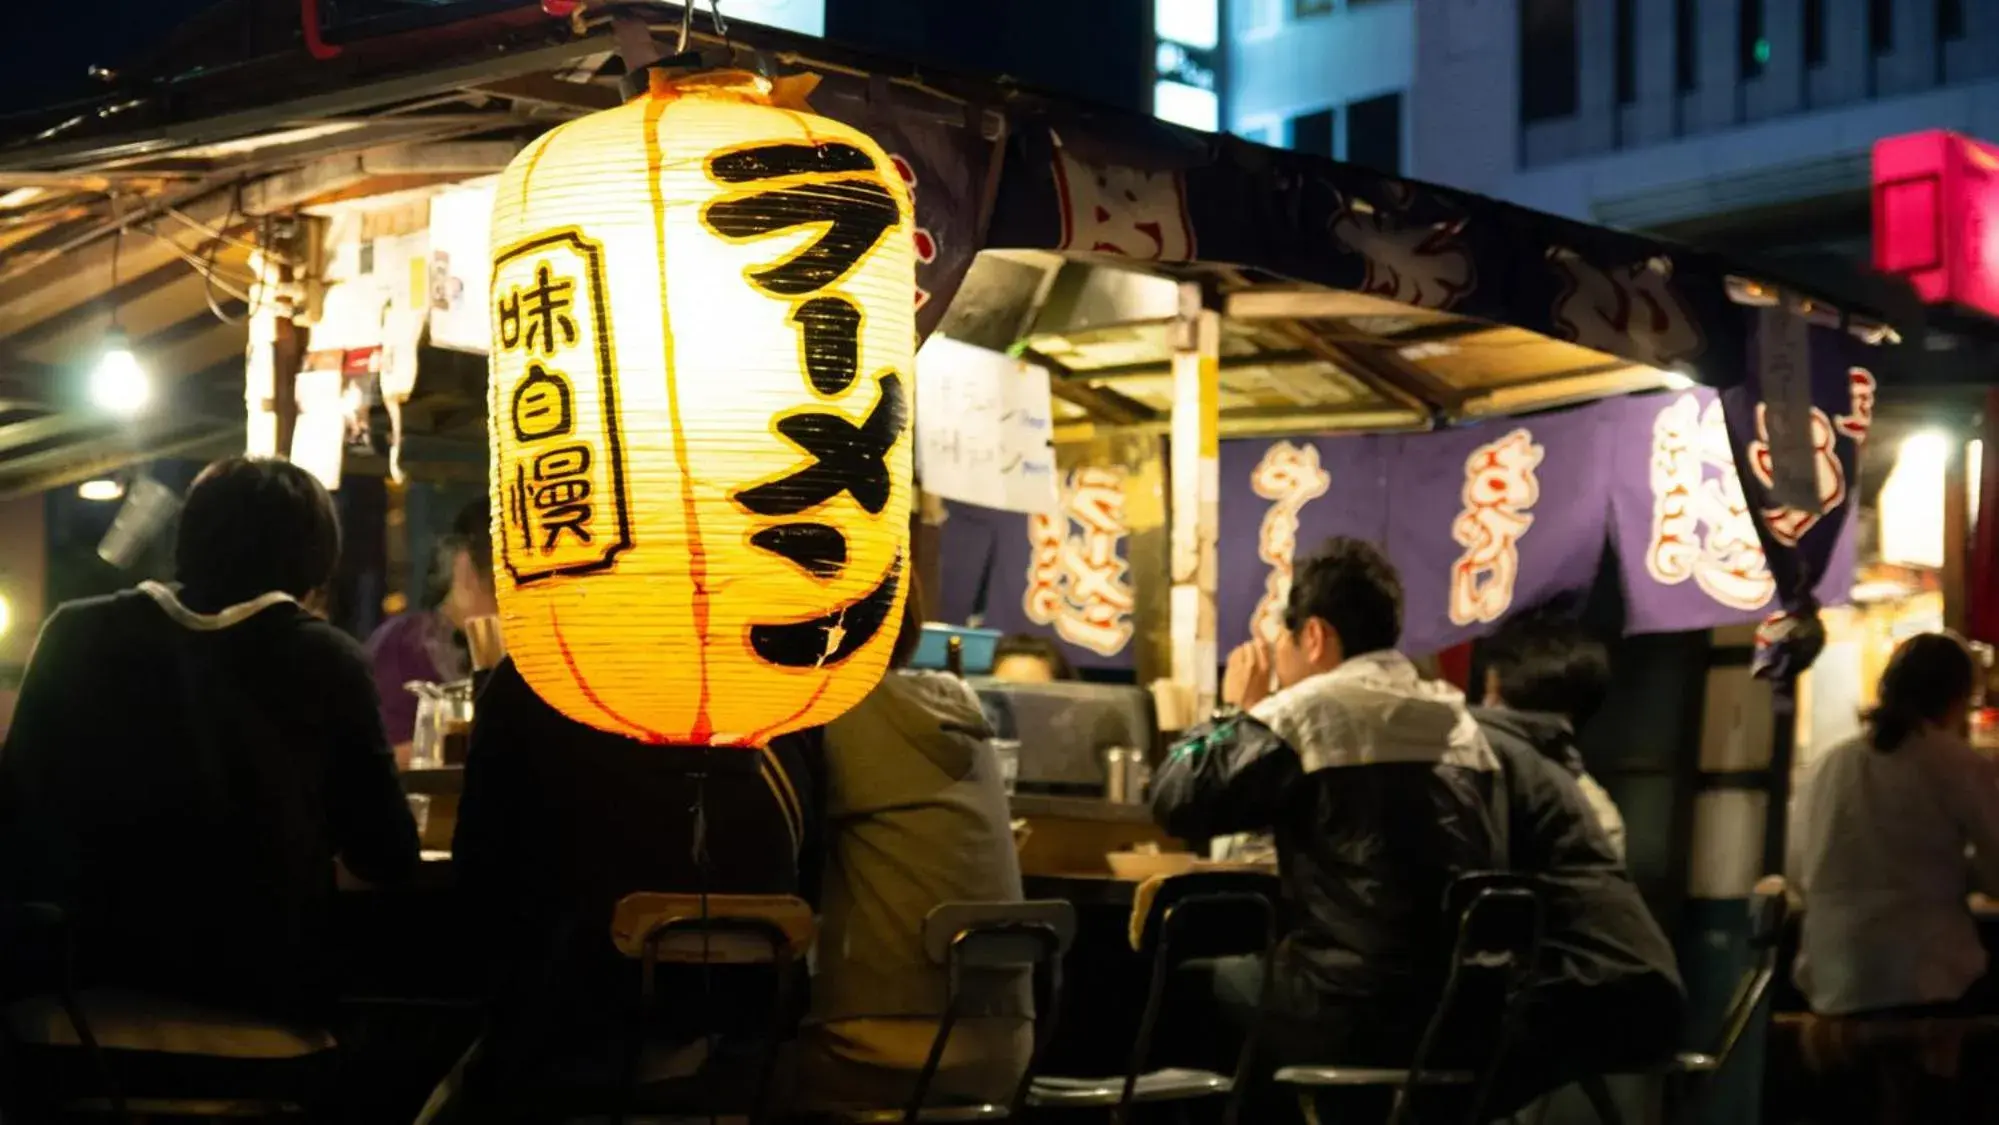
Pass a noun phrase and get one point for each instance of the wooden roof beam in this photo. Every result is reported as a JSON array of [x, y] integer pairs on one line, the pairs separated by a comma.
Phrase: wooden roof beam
[[334, 174]]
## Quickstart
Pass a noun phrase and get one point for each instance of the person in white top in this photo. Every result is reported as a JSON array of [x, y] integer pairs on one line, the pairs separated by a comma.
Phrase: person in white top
[[1880, 841]]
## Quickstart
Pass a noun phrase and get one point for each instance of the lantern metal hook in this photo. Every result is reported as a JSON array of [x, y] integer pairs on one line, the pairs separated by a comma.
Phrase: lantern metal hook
[[686, 26], [721, 25]]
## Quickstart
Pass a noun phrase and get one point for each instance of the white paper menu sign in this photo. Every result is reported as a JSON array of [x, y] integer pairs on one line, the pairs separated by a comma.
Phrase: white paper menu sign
[[984, 428], [461, 268]]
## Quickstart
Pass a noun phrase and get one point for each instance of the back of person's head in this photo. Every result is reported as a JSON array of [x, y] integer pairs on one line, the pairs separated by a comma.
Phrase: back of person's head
[[1929, 680], [1352, 587], [252, 525], [1543, 661], [473, 529], [470, 537], [1024, 658]]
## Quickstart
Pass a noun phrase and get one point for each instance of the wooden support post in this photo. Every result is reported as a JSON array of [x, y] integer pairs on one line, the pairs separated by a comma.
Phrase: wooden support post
[[1196, 483]]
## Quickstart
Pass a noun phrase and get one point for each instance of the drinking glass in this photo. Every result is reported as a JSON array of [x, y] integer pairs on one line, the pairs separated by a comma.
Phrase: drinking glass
[[420, 812], [1007, 752]]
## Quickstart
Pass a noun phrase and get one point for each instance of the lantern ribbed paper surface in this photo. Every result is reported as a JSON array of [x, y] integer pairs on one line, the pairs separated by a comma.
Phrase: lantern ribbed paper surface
[[702, 360]]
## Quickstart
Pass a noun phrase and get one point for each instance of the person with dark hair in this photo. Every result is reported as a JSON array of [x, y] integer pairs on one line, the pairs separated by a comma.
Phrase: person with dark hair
[[1879, 840], [1380, 790], [916, 816], [1607, 996], [1021, 658], [1545, 677], [558, 821], [428, 644], [186, 763]]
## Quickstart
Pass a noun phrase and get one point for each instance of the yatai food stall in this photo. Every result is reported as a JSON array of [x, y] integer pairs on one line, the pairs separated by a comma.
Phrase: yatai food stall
[[1243, 349]]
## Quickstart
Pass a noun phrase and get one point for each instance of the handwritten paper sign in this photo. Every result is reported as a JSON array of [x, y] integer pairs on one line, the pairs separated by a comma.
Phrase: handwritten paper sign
[[461, 269], [984, 428]]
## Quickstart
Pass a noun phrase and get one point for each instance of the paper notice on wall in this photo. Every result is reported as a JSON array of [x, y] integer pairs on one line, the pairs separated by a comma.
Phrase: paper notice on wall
[[319, 444], [461, 268], [984, 428]]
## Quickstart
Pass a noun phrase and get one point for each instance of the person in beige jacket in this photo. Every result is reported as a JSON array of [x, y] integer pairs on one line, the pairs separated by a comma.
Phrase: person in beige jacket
[[916, 816]]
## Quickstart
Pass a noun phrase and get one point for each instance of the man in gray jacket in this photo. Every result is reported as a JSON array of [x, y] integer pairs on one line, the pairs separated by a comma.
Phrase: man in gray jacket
[[917, 816]]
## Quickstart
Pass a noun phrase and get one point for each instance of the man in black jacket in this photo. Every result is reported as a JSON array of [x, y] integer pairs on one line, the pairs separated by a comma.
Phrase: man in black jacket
[[558, 822], [1608, 997], [1380, 790], [184, 765]]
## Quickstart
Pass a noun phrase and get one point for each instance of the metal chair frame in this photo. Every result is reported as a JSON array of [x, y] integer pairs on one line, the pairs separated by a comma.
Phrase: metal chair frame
[[1770, 911], [1049, 946], [781, 960], [29, 917], [1482, 890], [1162, 930]]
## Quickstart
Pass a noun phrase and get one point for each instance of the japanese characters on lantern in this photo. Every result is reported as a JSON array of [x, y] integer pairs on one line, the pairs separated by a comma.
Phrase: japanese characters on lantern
[[1077, 577], [1499, 494], [701, 360], [1702, 529], [1289, 476], [564, 503]]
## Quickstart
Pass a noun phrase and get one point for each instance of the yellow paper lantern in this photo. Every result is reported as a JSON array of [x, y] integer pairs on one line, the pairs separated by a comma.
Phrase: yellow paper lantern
[[703, 348]]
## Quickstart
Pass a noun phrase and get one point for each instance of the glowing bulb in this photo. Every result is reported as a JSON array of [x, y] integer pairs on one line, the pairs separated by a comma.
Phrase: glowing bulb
[[119, 385], [100, 490], [6, 615], [1925, 447]]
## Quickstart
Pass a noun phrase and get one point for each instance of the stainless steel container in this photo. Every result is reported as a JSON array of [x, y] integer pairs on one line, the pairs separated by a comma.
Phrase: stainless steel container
[[1125, 775]]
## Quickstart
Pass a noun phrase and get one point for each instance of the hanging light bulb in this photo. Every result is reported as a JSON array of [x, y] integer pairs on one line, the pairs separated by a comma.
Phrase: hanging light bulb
[[119, 384]]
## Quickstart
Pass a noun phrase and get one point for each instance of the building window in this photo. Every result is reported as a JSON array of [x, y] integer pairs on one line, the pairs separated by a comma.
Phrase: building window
[[1256, 17], [1752, 48], [1547, 59], [1950, 20], [1313, 133], [1305, 9], [1187, 105], [1194, 23], [1627, 52], [1374, 134], [1686, 48], [1880, 26], [1814, 33]]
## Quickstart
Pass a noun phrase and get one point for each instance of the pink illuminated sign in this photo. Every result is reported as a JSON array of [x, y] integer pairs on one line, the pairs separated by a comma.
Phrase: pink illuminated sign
[[1936, 217]]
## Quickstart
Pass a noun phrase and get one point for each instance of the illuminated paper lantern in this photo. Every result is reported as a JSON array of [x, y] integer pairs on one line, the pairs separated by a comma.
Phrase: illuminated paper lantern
[[702, 353]]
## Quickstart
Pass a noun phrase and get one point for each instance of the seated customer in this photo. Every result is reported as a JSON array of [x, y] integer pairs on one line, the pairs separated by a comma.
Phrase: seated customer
[[428, 644], [916, 817], [1023, 659], [1380, 789], [186, 762], [1880, 838], [1544, 678], [1607, 997], [558, 822]]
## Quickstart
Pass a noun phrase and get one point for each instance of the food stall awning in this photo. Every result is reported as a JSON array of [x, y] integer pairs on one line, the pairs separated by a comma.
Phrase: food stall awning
[[1349, 301]]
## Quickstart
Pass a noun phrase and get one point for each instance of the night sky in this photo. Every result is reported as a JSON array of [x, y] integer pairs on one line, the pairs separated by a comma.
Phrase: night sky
[[1056, 44], [50, 45]]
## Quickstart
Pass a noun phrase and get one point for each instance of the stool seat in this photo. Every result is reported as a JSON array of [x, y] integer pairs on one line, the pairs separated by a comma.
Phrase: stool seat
[[1694, 1062], [1369, 1076], [133, 1021], [1169, 1085], [969, 1114]]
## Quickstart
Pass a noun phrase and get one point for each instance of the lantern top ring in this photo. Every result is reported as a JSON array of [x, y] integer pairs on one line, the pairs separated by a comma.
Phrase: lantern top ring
[[678, 69]]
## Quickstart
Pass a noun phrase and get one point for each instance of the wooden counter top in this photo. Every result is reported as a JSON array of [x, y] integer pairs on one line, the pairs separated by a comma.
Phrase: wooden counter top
[[1032, 805]]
